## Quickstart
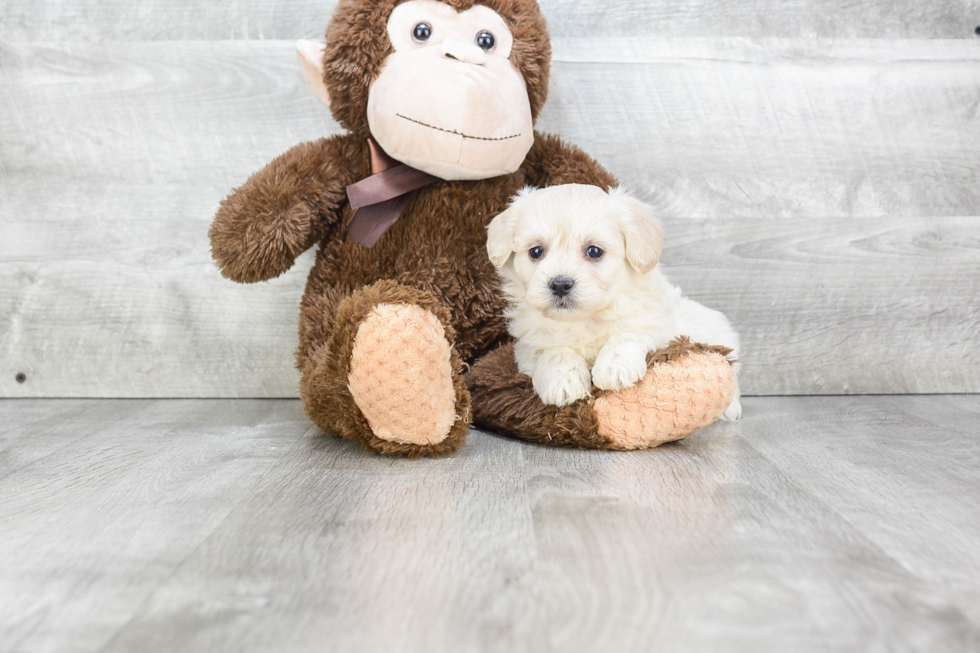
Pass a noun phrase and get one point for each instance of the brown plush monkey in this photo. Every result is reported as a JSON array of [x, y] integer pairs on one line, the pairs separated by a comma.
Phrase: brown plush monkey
[[439, 98]]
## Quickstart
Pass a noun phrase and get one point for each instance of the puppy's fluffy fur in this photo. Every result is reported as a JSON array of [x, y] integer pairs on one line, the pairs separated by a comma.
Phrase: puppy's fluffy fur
[[587, 302]]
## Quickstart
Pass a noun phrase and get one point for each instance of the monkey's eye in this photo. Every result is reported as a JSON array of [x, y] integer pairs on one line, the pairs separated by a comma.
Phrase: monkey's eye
[[485, 41], [422, 32], [536, 253], [594, 253]]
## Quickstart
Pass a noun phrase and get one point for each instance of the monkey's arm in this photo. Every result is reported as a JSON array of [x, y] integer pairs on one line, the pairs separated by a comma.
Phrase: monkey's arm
[[552, 161], [284, 209]]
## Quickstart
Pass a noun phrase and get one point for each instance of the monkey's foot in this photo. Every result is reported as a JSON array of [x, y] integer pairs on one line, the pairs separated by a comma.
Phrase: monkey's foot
[[388, 375], [401, 377], [687, 387]]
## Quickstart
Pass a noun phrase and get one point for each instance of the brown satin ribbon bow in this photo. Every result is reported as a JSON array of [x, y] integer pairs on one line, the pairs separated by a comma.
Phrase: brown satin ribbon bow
[[379, 200]]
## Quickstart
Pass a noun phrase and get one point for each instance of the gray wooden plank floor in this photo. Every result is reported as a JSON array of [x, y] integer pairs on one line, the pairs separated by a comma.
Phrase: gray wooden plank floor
[[816, 523]]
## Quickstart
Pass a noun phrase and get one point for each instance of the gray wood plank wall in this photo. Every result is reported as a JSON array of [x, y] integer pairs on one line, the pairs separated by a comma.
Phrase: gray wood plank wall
[[97, 20], [816, 165]]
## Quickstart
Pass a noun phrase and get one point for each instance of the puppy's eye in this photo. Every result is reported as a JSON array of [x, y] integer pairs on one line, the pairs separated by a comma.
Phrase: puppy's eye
[[485, 41], [594, 253], [422, 32], [536, 253]]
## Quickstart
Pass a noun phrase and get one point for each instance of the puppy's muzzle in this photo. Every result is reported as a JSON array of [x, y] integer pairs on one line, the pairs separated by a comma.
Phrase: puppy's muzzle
[[561, 286]]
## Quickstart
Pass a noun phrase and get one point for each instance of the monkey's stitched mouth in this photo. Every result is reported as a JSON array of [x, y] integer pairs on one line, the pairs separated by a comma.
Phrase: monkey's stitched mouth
[[453, 131]]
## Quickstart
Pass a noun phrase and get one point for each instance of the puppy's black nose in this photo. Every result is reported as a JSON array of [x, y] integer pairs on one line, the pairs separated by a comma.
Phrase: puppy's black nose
[[561, 286]]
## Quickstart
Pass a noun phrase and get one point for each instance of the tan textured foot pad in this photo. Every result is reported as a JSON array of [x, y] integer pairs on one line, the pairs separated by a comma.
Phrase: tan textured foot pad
[[401, 375], [673, 400]]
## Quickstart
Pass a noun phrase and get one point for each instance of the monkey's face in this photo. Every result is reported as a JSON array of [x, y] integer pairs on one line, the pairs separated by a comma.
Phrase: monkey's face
[[448, 100]]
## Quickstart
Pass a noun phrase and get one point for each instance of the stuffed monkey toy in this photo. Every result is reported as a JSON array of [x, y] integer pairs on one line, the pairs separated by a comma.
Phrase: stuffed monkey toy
[[402, 339]]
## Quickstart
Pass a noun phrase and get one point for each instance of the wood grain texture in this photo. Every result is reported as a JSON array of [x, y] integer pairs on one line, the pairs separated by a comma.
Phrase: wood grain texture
[[837, 305], [901, 472], [774, 127], [845, 524], [113, 158], [110, 171], [105, 500], [35, 429], [95, 20]]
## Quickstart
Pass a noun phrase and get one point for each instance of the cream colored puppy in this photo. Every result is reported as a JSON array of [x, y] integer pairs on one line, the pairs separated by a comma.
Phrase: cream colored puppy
[[588, 303]]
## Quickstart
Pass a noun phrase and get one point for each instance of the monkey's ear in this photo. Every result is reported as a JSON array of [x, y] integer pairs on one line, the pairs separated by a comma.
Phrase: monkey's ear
[[310, 55], [643, 233]]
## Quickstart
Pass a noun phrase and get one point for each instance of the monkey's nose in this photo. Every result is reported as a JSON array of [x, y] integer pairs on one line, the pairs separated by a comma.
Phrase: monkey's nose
[[561, 286], [464, 52]]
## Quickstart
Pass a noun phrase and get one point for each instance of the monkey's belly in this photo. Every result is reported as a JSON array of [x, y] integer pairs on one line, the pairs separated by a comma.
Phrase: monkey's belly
[[439, 246]]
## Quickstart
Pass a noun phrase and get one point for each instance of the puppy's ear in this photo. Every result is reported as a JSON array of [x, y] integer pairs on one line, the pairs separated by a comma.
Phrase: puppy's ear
[[642, 231], [500, 233], [500, 236]]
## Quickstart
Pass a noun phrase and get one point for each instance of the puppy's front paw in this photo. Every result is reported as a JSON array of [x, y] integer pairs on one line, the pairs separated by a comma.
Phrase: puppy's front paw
[[616, 369], [562, 387]]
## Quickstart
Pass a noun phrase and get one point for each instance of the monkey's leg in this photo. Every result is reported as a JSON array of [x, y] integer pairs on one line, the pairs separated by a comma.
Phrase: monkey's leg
[[387, 374], [687, 387]]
